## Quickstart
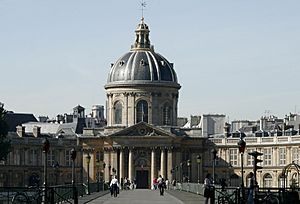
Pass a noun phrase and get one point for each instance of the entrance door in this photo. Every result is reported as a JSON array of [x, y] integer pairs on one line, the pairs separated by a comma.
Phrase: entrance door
[[142, 179]]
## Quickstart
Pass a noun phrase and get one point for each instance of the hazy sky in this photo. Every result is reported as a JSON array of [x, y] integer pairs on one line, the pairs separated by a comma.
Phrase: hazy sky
[[234, 57]]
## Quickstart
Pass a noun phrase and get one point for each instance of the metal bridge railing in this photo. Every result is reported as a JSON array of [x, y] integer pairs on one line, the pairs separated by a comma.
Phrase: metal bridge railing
[[55, 194]]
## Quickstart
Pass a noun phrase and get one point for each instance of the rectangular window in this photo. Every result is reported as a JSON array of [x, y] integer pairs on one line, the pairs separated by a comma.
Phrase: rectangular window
[[267, 161], [295, 155], [233, 157], [51, 158], [249, 157], [68, 158], [282, 156], [33, 157], [17, 157]]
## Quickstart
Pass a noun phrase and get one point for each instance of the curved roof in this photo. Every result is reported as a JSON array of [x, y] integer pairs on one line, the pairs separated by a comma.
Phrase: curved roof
[[141, 65]]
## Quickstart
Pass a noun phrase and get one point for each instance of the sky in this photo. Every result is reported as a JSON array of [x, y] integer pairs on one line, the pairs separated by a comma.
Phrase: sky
[[232, 57]]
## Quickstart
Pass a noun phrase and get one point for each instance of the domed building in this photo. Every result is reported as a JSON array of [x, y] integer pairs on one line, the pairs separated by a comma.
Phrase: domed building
[[141, 140], [142, 86]]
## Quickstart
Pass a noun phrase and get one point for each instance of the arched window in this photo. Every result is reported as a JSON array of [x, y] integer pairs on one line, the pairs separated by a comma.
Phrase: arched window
[[167, 113], [267, 181], [118, 112], [142, 111], [280, 181]]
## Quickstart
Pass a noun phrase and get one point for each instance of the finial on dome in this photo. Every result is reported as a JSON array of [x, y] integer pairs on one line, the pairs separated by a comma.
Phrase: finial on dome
[[143, 5]]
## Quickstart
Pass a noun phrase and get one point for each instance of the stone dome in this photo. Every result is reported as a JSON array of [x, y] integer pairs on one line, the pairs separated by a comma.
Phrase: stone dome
[[142, 65]]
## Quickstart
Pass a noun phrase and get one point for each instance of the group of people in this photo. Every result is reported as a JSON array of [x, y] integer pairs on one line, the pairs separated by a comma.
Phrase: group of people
[[156, 183]]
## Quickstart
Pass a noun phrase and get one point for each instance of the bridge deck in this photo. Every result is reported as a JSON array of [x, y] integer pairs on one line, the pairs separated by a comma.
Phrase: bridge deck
[[142, 196]]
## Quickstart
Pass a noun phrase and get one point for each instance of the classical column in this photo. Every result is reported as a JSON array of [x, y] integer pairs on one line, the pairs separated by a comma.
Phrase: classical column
[[130, 165], [153, 166], [170, 164], [121, 165], [163, 163]]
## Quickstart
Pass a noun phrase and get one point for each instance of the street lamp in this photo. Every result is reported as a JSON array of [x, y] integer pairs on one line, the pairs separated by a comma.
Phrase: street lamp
[[73, 157], [198, 165], [173, 174], [98, 174], [189, 172], [176, 172], [88, 159], [242, 145], [46, 147], [109, 168], [103, 175], [55, 167], [181, 172], [214, 153]]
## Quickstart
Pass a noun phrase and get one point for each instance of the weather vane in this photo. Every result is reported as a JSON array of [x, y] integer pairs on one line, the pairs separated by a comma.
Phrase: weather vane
[[143, 5]]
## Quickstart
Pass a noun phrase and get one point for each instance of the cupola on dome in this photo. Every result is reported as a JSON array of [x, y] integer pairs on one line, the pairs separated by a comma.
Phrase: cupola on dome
[[141, 65]]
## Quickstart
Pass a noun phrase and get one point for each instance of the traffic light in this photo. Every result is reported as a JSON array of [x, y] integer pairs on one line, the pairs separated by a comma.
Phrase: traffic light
[[256, 160], [255, 154]]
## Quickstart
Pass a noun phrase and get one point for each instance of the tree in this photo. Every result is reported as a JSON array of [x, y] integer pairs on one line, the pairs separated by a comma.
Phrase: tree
[[4, 142]]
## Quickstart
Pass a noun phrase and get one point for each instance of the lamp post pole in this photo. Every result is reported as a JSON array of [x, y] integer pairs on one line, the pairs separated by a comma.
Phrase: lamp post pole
[[198, 166], [176, 172], [98, 175], [88, 159], [242, 146], [214, 152], [55, 167], [189, 170], [103, 175], [46, 147], [181, 172], [73, 157]]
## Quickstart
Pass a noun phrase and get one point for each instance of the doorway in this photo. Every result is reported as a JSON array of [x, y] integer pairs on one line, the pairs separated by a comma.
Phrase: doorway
[[142, 179]]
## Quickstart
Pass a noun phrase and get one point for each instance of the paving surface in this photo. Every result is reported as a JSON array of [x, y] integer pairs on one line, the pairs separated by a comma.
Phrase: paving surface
[[144, 196]]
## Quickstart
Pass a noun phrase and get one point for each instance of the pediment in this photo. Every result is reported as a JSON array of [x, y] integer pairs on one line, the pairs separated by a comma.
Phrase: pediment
[[142, 129]]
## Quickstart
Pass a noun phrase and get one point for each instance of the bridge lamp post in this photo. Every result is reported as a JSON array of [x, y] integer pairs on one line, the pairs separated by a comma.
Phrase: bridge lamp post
[[176, 173], [73, 157], [214, 153], [242, 146], [189, 170], [103, 175], [46, 147], [88, 160], [98, 174], [181, 172], [198, 166]]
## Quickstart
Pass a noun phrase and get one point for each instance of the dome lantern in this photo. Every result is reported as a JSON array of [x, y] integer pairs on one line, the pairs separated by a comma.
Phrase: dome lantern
[[142, 40]]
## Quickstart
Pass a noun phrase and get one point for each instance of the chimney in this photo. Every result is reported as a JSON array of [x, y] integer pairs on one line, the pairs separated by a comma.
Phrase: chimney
[[36, 131], [227, 129], [21, 131]]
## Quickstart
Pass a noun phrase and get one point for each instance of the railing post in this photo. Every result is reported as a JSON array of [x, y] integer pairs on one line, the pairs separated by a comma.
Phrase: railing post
[[75, 195], [238, 195], [52, 195]]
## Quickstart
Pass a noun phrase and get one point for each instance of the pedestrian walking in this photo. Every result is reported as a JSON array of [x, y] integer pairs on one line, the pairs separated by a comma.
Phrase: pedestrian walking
[[251, 187], [114, 186], [208, 189], [167, 184], [161, 185]]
